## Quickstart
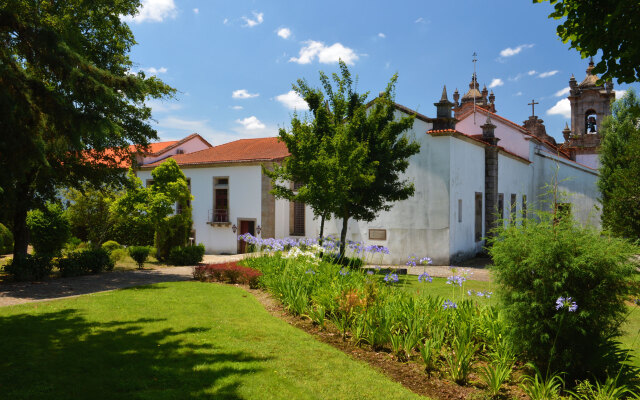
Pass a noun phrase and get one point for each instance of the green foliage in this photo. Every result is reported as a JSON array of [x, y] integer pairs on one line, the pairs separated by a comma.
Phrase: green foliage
[[49, 230], [593, 27], [29, 268], [67, 95], [91, 261], [111, 245], [350, 156], [609, 390], [6, 240], [89, 213], [139, 254], [494, 376], [620, 168], [188, 255], [539, 387], [547, 258], [118, 255]]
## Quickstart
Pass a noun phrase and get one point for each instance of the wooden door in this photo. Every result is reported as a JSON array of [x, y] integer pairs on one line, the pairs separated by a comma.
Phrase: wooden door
[[246, 226]]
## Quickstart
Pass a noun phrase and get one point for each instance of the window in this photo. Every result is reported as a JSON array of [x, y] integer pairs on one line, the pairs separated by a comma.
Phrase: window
[[220, 200], [562, 210], [377, 234], [459, 210], [524, 206], [149, 182], [500, 205], [478, 235], [179, 151], [298, 219], [591, 122], [513, 208]]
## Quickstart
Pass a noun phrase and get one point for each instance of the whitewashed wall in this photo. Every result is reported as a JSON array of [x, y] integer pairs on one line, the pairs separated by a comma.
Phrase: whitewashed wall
[[515, 177], [510, 138], [244, 202], [467, 178], [590, 160]]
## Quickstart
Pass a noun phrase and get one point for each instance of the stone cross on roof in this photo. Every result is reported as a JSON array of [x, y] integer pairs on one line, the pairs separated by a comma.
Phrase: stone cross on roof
[[533, 104]]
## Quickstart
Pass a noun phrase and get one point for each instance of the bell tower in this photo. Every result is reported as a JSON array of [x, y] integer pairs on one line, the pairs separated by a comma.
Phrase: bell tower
[[590, 103]]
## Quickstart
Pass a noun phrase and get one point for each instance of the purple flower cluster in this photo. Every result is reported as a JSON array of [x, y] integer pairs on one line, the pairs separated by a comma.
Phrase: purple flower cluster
[[426, 260], [391, 278], [310, 271], [370, 272], [425, 277], [373, 249], [411, 262], [479, 294], [449, 304], [456, 280], [566, 302], [343, 272]]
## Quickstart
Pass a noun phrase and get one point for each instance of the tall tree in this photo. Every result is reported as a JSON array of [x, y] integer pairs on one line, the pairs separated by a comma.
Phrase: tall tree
[[67, 93], [596, 25], [350, 158], [619, 180]]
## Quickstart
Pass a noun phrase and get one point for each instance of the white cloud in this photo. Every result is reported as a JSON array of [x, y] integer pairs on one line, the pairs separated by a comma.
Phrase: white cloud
[[225, 21], [382, 35], [420, 21], [562, 92], [562, 107], [251, 123], [154, 11], [159, 106], [325, 54], [155, 71], [196, 11], [284, 33], [237, 107], [620, 93], [292, 101], [532, 72], [548, 73], [243, 94], [496, 82], [518, 94], [175, 128], [258, 19], [509, 52]]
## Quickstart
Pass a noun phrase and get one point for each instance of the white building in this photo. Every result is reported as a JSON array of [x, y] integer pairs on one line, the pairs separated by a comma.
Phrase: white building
[[469, 167]]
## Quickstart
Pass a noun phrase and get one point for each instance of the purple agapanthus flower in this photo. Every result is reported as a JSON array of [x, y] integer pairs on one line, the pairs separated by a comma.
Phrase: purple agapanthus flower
[[426, 260], [310, 271], [449, 304], [343, 272], [425, 277], [411, 262], [391, 278], [456, 280], [370, 272], [469, 292], [566, 302]]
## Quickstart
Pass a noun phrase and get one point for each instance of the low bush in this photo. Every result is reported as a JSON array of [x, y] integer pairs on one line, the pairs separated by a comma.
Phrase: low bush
[[29, 268], [111, 245], [139, 254], [49, 230], [229, 272], [189, 255], [85, 262], [6, 240], [118, 255]]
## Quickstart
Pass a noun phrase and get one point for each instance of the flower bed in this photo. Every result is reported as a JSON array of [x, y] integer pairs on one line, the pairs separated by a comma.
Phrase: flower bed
[[228, 272]]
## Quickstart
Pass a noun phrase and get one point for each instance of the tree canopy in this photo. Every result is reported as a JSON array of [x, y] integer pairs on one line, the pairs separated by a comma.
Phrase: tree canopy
[[620, 167], [350, 157], [609, 26], [67, 93]]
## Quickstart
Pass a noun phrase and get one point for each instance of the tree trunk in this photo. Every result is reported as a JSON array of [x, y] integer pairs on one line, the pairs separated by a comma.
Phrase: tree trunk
[[343, 233], [20, 232], [321, 230]]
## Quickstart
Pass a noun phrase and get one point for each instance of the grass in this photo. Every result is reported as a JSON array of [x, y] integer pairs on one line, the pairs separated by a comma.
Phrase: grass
[[185, 340]]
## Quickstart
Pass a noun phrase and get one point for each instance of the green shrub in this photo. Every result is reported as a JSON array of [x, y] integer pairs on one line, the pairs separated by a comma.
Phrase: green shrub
[[174, 232], [139, 254], [153, 252], [29, 268], [85, 262], [130, 232], [549, 258], [118, 255], [111, 245], [189, 255], [6, 240], [49, 230]]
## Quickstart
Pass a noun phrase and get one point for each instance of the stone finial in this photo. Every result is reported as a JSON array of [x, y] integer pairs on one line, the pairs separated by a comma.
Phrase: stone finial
[[444, 94], [566, 132], [488, 131], [492, 97], [456, 97]]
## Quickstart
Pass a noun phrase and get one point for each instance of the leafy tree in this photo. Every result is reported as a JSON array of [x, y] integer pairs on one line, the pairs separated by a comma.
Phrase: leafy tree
[[620, 167], [89, 213], [595, 25], [66, 94], [133, 223], [49, 230], [350, 157]]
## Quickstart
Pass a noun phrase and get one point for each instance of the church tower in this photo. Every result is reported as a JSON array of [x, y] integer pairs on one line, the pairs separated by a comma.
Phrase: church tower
[[474, 95], [590, 103]]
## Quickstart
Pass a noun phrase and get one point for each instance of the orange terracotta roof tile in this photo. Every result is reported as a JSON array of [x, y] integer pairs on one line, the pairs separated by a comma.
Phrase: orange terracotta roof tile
[[243, 150]]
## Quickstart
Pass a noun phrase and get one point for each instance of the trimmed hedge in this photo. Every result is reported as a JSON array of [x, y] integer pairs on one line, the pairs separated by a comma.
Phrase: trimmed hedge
[[189, 255], [29, 268], [228, 272], [85, 262], [111, 245], [139, 254], [6, 240], [49, 229]]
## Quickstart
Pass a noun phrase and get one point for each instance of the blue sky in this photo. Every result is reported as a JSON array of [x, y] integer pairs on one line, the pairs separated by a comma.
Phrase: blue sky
[[233, 62]]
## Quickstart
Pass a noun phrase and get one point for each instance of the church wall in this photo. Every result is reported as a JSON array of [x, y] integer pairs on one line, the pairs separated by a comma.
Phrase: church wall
[[515, 177], [510, 138], [467, 178], [576, 183], [420, 224], [590, 160]]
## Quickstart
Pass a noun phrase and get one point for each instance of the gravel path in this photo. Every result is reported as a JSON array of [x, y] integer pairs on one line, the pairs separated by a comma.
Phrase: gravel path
[[26, 292]]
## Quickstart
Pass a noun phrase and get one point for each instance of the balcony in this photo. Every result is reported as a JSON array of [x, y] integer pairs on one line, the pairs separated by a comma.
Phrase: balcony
[[219, 217]]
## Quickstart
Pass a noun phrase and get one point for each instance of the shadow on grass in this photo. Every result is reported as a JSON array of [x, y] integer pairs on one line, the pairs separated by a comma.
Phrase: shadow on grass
[[61, 355]]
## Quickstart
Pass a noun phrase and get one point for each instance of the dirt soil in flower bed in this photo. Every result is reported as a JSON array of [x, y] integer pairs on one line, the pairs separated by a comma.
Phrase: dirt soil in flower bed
[[411, 374]]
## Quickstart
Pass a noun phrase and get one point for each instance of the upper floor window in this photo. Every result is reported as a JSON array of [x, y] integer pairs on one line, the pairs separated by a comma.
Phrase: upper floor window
[[221, 199]]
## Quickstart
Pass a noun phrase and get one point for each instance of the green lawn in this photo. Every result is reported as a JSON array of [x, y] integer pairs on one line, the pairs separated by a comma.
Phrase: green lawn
[[173, 341]]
